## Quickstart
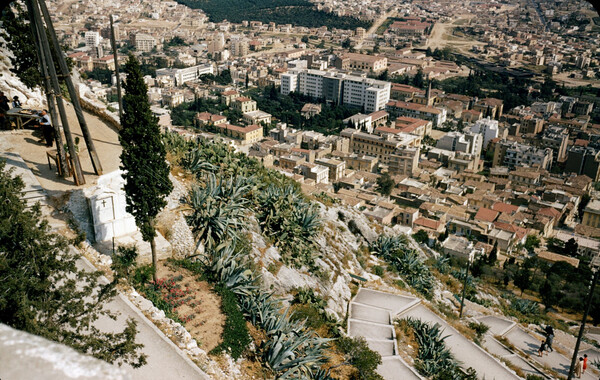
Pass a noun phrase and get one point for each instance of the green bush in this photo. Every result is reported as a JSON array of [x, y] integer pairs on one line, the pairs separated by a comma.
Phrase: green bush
[[142, 275], [156, 297], [356, 352], [235, 332], [123, 261], [379, 271]]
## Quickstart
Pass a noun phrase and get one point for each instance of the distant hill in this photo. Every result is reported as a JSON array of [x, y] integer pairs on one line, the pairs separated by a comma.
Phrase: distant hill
[[296, 12]]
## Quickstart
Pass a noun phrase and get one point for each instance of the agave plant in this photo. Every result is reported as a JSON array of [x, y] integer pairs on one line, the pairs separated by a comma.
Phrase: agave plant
[[225, 265], [260, 307], [433, 357], [294, 355], [217, 209]]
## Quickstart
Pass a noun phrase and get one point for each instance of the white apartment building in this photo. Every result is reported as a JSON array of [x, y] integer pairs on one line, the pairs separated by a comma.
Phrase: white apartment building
[[289, 83], [144, 42], [181, 76], [488, 128], [92, 39], [367, 93]]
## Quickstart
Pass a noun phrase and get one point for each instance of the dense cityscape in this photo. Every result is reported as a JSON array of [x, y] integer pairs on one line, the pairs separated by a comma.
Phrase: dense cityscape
[[300, 189]]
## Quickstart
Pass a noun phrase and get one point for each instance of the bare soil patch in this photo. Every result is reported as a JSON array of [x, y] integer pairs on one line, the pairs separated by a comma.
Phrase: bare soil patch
[[200, 307]]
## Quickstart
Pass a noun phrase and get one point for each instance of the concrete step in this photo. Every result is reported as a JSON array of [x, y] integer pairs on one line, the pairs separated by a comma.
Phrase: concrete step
[[384, 347], [370, 330], [369, 313], [394, 368], [391, 302]]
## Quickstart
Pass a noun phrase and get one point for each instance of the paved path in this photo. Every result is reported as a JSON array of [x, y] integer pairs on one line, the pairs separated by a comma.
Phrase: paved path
[[371, 316], [528, 346], [165, 359]]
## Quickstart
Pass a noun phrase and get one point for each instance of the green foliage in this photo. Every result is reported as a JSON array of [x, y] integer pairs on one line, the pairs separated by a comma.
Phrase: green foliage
[[396, 251], [123, 261], [291, 221], [421, 236], [480, 328], [433, 357], [217, 209], [43, 291], [153, 294], [142, 275], [385, 184], [356, 352], [102, 75], [144, 156], [18, 38], [378, 270], [531, 242], [176, 41], [235, 332], [297, 12]]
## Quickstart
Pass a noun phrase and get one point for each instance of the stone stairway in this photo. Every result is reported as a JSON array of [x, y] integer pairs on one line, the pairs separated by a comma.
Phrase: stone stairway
[[371, 317]]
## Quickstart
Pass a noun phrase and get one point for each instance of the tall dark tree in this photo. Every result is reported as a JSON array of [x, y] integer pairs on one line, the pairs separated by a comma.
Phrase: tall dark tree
[[571, 247], [522, 278], [418, 79], [143, 158], [493, 254], [44, 292], [385, 184]]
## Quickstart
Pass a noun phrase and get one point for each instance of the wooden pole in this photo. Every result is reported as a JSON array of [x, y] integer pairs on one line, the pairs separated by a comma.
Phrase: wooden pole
[[62, 158], [113, 42], [77, 172], [72, 92]]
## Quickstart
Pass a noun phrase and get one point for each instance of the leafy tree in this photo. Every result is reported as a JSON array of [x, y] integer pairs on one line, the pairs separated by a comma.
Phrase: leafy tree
[[385, 184], [346, 43], [421, 236], [522, 278], [531, 242], [418, 80], [585, 199], [304, 39], [143, 158], [19, 40], [44, 292], [493, 257], [550, 292], [571, 247]]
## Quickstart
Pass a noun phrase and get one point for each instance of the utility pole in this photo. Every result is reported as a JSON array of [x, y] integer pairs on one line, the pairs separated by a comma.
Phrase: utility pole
[[114, 49], [462, 300], [72, 93], [49, 63], [62, 158], [585, 315]]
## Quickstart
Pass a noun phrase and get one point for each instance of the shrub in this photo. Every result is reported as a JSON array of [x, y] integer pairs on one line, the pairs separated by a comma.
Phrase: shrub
[[357, 353], [235, 332], [123, 261], [142, 275], [379, 271], [479, 328]]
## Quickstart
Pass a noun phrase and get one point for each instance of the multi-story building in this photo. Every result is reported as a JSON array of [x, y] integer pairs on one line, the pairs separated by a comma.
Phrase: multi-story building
[[389, 149], [557, 139], [470, 143], [399, 108], [248, 135], [488, 128], [144, 42], [336, 168], [239, 48], [513, 154], [244, 104], [188, 74], [366, 93], [591, 214], [318, 173], [414, 126], [363, 62], [583, 160], [92, 39], [490, 107]]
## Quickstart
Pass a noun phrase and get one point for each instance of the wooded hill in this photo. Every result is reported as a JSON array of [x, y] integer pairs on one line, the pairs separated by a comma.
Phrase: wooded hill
[[296, 12]]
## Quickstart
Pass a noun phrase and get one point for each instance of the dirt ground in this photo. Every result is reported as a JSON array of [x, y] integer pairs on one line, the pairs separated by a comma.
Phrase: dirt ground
[[105, 138], [201, 310]]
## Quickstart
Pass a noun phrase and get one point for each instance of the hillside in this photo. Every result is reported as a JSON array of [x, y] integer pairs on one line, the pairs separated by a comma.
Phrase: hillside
[[296, 12]]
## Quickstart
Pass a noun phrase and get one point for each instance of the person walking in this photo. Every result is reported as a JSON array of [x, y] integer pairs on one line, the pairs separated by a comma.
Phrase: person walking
[[579, 368], [47, 128], [542, 348], [4, 106], [549, 337], [585, 360]]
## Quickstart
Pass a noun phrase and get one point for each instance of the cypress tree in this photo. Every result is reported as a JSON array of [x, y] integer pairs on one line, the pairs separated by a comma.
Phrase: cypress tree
[[143, 158], [43, 291]]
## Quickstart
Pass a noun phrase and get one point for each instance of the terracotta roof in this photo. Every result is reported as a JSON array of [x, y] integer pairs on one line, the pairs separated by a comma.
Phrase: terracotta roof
[[504, 207], [549, 211], [428, 223], [554, 257], [486, 215]]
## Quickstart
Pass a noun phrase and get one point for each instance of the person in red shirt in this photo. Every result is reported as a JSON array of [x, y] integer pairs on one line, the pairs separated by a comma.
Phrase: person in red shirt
[[585, 359]]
